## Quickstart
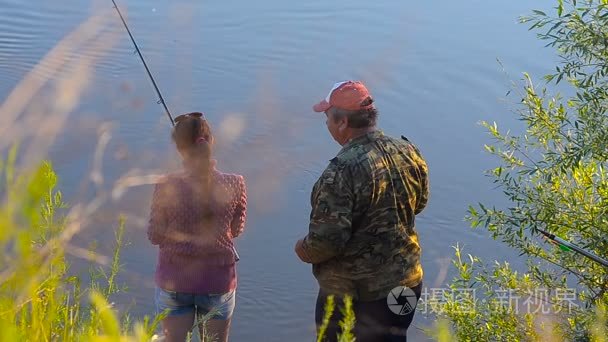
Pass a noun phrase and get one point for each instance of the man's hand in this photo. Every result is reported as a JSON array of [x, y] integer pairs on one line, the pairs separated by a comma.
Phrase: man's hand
[[301, 252]]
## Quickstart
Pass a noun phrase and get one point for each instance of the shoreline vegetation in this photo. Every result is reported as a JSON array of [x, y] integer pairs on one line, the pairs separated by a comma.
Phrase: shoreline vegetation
[[39, 299], [554, 175]]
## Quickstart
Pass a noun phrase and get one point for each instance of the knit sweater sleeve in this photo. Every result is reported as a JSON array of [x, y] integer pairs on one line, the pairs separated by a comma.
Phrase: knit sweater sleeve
[[157, 225], [237, 225]]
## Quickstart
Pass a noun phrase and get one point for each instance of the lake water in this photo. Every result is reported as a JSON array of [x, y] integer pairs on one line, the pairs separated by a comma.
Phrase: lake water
[[256, 68]]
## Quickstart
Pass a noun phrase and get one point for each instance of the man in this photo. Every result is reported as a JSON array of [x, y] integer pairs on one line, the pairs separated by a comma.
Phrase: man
[[361, 240]]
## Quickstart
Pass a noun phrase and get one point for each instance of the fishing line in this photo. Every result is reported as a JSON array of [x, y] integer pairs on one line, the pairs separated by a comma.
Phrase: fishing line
[[160, 96]]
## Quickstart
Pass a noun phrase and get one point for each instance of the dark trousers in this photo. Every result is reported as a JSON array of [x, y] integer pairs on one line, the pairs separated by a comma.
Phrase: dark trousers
[[375, 322]]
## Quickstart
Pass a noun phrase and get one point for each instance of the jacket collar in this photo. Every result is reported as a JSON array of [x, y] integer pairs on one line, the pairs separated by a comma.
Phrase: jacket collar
[[369, 136]]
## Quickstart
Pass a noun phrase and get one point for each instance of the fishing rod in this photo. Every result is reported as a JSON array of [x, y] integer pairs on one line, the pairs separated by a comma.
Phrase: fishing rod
[[161, 99], [568, 246]]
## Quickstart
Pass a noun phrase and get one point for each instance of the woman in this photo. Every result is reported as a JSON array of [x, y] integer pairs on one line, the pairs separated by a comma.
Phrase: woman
[[195, 215]]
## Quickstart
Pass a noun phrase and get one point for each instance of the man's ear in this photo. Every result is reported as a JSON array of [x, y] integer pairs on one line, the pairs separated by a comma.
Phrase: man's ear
[[343, 123]]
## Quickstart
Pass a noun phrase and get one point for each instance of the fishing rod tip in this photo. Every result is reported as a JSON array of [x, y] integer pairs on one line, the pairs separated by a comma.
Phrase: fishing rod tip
[[549, 235]]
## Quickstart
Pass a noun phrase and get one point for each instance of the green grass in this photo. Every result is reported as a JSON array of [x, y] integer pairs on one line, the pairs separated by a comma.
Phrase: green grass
[[347, 323], [39, 299]]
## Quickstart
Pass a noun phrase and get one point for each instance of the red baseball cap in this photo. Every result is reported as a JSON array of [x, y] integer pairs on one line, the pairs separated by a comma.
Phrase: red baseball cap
[[347, 95]]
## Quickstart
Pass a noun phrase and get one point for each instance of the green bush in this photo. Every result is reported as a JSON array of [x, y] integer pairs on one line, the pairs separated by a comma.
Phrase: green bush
[[39, 299], [554, 176]]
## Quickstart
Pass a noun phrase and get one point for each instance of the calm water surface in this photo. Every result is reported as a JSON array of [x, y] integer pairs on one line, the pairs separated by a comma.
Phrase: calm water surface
[[255, 68]]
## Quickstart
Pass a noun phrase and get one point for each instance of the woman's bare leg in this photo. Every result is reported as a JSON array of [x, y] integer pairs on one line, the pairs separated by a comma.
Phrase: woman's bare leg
[[216, 330], [176, 328]]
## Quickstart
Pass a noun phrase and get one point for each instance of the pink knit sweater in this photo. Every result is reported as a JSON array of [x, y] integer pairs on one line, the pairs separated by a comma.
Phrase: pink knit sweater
[[197, 255]]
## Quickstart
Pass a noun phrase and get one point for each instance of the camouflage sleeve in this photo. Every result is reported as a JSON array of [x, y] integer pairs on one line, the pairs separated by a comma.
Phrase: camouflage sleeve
[[423, 198], [422, 175], [423, 182], [331, 216]]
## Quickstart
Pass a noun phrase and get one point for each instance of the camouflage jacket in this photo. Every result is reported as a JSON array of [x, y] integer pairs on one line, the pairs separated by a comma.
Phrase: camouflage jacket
[[362, 240]]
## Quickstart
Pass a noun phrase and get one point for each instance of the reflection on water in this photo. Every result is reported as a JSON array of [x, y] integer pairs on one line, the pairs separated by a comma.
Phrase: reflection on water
[[255, 69]]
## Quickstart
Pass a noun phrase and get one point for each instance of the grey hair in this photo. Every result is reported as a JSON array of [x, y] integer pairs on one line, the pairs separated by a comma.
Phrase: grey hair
[[362, 118]]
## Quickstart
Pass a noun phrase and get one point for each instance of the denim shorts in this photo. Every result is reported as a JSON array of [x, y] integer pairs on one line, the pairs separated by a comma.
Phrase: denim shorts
[[179, 303]]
